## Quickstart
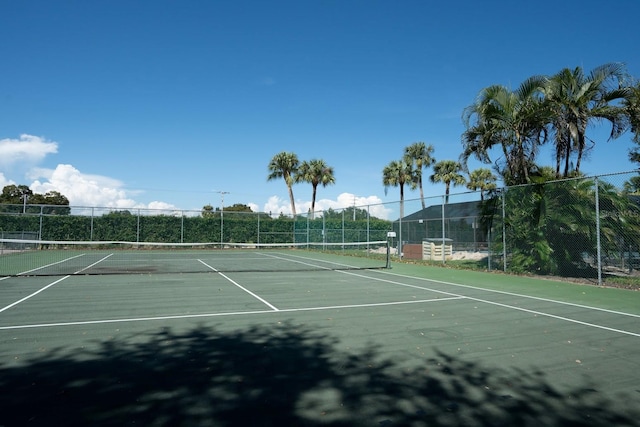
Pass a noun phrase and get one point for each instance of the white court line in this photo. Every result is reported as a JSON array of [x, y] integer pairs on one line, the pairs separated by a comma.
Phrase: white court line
[[300, 262], [273, 307], [539, 313], [622, 313], [235, 313], [91, 265], [51, 284], [310, 259], [33, 294], [49, 265]]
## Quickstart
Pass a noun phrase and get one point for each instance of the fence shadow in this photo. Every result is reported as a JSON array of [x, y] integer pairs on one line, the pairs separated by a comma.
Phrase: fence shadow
[[283, 377]]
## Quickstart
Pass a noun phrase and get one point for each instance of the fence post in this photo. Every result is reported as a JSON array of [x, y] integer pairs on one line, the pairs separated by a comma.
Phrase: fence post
[[40, 229], [444, 201], [598, 249], [181, 226], [504, 232]]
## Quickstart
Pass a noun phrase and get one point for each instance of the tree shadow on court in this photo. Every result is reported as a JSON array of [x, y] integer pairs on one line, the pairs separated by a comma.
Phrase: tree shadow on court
[[288, 376]]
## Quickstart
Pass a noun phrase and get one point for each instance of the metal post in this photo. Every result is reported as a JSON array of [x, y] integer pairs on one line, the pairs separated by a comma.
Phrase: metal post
[[598, 249], [443, 225], [343, 229], [181, 226], [400, 229], [222, 193], [504, 232], [40, 228], [369, 226]]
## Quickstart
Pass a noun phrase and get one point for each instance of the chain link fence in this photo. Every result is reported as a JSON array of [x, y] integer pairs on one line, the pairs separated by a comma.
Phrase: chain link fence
[[586, 227], [91, 224]]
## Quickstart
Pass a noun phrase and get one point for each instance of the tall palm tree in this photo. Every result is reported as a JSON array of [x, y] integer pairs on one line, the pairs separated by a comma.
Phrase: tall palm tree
[[481, 179], [315, 172], [512, 120], [397, 174], [420, 155], [575, 100], [285, 165], [632, 108], [447, 172]]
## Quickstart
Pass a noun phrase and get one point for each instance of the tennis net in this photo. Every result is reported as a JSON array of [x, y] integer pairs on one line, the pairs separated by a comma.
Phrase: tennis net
[[20, 257]]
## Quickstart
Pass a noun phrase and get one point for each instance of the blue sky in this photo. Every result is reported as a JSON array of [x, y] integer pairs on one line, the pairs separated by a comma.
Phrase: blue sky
[[163, 104]]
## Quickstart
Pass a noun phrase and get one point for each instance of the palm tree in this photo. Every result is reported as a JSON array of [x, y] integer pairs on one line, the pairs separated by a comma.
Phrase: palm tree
[[447, 172], [397, 174], [632, 108], [481, 179], [632, 186], [285, 165], [315, 172], [419, 155], [575, 100], [512, 120]]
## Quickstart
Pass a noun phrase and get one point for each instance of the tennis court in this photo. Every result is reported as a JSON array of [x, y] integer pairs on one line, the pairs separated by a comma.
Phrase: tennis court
[[294, 337]]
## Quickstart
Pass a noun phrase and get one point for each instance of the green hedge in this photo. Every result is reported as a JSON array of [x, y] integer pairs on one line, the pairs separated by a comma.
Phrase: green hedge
[[254, 228]]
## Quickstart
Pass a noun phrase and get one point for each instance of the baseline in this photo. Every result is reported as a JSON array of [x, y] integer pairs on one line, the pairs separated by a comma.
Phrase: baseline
[[211, 315]]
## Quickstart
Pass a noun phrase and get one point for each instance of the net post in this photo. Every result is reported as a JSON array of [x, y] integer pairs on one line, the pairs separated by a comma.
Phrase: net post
[[390, 236]]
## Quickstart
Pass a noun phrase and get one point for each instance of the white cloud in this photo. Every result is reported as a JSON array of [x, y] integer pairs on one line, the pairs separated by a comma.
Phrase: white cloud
[[27, 149], [87, 190], [4, 181], [276, 205]]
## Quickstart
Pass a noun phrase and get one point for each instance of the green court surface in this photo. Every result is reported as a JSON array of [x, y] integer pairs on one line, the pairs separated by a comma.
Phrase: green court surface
[[410, 345]]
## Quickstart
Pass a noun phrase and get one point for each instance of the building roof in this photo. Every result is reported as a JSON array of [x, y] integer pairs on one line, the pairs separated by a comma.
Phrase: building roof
[[452, 210]]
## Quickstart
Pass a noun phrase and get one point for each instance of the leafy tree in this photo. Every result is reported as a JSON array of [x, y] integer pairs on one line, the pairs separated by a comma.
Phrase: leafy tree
[[285, 165], [238, 207], [481, 179], [575, 100], [420, 156], [347, 213], [52, 202], [14, 194], [207, 211], [315, 172], [447, 172], [512, 120]]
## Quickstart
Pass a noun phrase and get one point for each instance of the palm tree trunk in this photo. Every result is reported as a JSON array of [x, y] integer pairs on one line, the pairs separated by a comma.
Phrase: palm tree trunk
[[293, 205], [566, 160], [580, 150], [313, 201]]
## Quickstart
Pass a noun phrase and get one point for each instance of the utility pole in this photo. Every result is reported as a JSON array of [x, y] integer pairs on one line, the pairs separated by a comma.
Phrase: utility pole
[[25, 196], [222, 193]]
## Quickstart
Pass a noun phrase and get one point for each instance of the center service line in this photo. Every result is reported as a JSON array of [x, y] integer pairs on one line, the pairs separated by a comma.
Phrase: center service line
[[273, 307]]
